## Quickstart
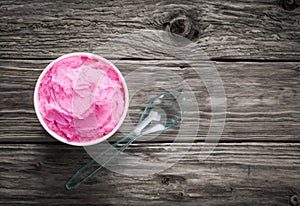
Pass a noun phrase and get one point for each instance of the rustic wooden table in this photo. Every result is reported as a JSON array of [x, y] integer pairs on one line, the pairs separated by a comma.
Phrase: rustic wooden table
[[256, 48]]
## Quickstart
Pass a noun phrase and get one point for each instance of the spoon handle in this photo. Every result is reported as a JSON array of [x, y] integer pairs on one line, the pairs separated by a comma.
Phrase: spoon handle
[[72, 183]]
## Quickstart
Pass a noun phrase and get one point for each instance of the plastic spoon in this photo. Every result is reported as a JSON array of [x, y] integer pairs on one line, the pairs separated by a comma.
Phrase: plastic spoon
[[161, 113]]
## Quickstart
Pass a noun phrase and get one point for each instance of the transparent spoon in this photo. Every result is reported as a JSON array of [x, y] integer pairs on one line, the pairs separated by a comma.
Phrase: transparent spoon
[[161, 113]]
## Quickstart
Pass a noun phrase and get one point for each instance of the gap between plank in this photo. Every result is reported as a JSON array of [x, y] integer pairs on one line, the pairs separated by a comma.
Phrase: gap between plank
[[217, 59], [166, 142]]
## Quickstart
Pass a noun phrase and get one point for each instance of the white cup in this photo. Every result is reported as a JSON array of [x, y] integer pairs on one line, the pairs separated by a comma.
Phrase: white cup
[[62, 139]]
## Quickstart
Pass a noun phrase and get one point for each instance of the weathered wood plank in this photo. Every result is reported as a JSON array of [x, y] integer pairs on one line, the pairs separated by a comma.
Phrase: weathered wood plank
[[261, 98], [235, 174], [232, 29]]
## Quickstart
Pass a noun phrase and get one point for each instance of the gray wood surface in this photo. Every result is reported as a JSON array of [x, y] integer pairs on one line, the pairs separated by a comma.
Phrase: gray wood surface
[[236, 174], [258, 102], [244, 29], [255, 46]]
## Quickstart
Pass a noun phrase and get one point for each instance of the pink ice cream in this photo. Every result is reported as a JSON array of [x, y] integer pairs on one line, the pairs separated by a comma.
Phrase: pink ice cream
[[81, 98]]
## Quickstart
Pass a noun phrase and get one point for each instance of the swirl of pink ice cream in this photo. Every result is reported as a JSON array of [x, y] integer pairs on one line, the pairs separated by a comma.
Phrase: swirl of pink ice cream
[[81, 98]]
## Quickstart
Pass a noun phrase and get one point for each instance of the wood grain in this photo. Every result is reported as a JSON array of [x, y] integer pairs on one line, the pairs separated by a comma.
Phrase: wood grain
[[235, 174], [261, 98], [242, 30], [255, 46]]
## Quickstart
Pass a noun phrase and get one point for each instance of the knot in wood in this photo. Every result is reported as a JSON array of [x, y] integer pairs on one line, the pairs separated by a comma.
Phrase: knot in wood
[[165, 180], [181, 26], [289, 4], [294, 200], [38, 164]]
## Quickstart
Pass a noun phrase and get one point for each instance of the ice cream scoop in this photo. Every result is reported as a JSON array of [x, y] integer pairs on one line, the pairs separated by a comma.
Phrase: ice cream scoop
[[81, 99]]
